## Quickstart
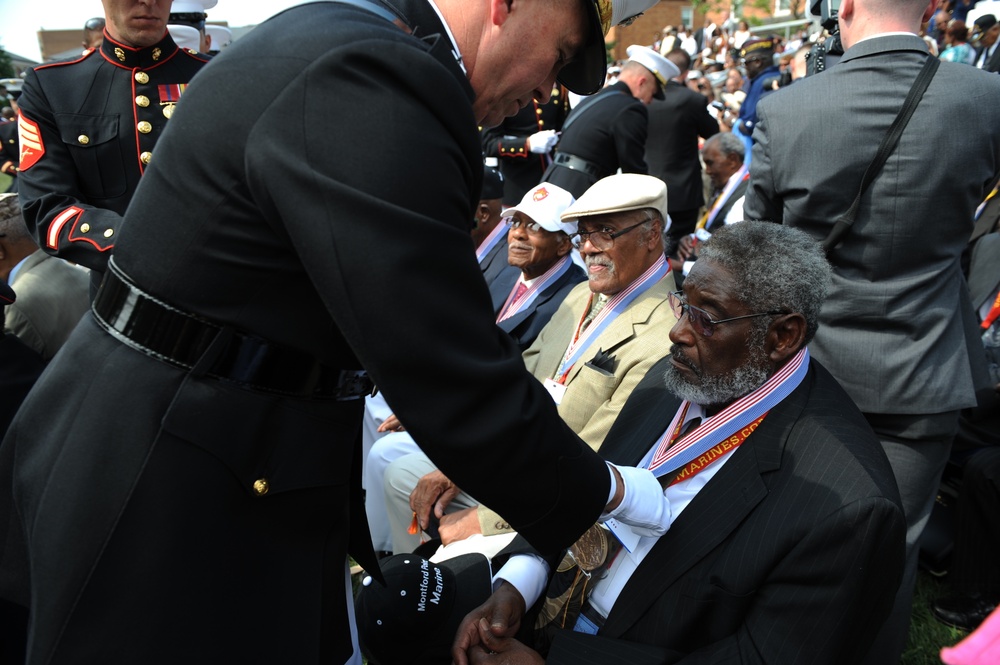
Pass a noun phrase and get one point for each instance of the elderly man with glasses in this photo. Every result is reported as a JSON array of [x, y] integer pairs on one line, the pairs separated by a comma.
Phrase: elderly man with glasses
[[785, 541], [599, 344]]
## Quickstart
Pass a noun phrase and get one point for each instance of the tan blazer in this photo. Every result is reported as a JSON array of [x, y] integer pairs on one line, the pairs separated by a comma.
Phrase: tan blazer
[[637, 339]]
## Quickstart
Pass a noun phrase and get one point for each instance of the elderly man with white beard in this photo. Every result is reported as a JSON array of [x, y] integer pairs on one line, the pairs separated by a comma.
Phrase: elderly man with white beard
[[786, 533], [598, 345]]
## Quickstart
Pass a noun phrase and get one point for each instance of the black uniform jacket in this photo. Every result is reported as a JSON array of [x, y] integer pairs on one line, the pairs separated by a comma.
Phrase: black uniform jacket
[[9, 151], [175, 517], [88, 127], [508, 142], [675, 123], [609, 133]]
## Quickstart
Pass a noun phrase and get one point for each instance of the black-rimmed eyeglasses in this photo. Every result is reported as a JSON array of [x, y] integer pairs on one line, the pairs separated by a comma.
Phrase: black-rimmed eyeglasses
[[702, 321], [603, 239]]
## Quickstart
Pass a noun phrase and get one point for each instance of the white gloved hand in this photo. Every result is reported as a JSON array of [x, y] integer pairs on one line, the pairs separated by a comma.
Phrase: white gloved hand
[[644, 507], [543, 141]]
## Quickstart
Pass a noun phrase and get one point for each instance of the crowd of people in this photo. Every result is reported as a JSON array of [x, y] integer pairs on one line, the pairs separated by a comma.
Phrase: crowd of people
[[732, 320]]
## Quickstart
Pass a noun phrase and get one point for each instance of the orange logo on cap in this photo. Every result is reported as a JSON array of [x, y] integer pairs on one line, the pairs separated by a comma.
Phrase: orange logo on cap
[[540, 194]]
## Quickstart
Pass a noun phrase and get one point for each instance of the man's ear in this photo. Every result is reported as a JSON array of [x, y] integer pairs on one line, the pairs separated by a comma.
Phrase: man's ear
[[500, 11], [565, 246], [483, 213], [847, 9], [786, 335], [929, 11]]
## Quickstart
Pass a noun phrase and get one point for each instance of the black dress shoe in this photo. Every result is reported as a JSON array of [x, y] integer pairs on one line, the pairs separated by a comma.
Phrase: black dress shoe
[[965, 612]]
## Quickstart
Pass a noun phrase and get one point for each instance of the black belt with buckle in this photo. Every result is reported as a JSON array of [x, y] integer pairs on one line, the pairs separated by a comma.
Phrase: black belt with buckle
[[580, 164], [181, 339]]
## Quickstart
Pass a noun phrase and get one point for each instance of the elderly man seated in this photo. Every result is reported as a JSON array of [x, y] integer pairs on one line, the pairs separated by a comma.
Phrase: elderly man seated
[[525, 297], [785, 542], [595, 350], [723, 155]]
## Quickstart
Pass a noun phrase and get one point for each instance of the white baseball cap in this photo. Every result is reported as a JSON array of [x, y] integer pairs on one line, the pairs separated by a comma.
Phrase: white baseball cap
[[544, 205]]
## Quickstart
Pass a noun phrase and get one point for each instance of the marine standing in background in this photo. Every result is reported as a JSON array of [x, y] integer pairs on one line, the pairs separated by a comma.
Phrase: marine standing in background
[[88, 128], [523, 144]]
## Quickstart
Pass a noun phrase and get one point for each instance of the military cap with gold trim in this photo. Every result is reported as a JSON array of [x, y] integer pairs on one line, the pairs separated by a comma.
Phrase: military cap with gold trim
[[584, 75]]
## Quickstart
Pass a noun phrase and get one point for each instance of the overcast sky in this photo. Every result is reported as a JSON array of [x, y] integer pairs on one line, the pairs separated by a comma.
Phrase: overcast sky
[[20, 20]]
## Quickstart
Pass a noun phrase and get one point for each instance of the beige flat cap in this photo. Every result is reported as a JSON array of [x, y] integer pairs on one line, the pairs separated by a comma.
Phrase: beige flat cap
[[619, 193]]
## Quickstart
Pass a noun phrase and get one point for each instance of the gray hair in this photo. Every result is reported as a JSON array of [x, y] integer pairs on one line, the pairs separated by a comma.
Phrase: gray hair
[[777, 268], [11, 223], [728, 144]]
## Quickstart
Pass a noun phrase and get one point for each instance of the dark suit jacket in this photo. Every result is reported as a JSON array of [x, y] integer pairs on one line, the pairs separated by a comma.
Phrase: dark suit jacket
[[675, 123], [610, 132], [792, 553], [992, 64], [277, 218], [526, 324], [897, 329], [495, 263]]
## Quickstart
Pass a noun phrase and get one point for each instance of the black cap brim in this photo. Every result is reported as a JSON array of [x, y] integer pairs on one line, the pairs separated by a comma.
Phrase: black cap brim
[[585, 74]]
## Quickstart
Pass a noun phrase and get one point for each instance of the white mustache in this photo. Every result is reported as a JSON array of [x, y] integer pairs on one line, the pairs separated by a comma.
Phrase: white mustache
[[598, 261]]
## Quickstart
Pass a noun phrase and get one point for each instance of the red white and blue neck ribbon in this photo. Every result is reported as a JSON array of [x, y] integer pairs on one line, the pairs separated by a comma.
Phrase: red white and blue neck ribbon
[[665, 458], [615, 306], [733, 182], [539, 284], [491, 241]]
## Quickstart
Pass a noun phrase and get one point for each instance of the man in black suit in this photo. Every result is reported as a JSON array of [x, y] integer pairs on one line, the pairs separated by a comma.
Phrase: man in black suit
[[21, 368], [188, 470], [786, 535], [608, 131], [985, 36], [675, 123]]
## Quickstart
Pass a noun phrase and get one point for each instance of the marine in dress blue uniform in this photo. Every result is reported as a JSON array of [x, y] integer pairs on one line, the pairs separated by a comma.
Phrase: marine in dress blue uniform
[[88, 130]]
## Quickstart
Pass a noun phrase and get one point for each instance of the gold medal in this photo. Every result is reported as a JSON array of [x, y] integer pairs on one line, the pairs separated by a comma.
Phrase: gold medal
[[168, 110], [591, 551]]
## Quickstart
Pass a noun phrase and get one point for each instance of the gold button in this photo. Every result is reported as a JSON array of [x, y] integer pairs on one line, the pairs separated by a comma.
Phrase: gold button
[[83, 139], [108, 233], [145, 157], [85, 228], [144, 127], [142, 77], [142, 100], [538, 111], [541, 123], [261, 486]]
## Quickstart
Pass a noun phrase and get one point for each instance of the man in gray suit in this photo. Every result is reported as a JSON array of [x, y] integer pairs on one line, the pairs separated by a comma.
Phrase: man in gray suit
[[898, 327], [52, 294]]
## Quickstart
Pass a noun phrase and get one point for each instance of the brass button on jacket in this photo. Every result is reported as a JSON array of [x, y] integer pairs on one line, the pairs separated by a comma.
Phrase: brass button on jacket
[[261, 486]]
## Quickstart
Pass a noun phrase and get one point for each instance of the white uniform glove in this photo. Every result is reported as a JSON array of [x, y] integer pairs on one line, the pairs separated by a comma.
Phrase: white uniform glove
[[644, 507], [543, 141]]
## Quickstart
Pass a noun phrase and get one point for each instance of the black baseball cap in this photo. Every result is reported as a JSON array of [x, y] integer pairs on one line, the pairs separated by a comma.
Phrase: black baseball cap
[[414, 617]]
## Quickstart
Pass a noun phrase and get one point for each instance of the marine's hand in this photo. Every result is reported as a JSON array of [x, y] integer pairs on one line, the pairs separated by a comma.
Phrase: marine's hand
[[643, 505], [459, 525], [433, 491], [499, 617], [391, 424], [543, 141]]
